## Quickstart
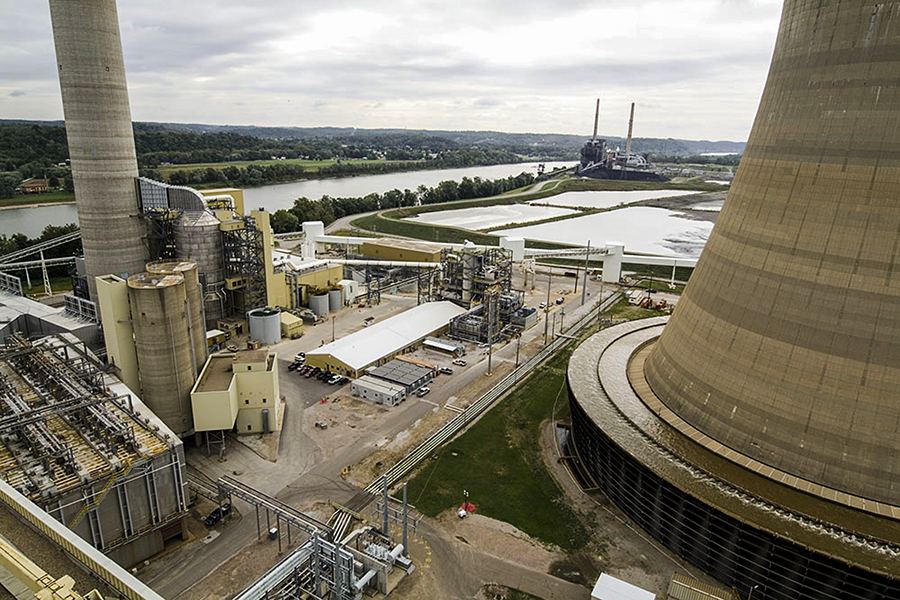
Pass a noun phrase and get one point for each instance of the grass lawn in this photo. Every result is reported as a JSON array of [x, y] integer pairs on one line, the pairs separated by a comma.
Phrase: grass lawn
[[58, 284], [498, 461]]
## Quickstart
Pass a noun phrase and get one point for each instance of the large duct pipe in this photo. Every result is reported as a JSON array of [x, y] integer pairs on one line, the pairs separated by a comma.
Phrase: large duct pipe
[[101, 143], [630, 126], [596, 121]]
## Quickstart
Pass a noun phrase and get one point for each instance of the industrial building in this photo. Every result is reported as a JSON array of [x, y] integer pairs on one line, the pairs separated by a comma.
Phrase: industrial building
[[378, 390], [405, 373], [755, 434], [393, 249], [238, 391], [80, 445], [382, 341]]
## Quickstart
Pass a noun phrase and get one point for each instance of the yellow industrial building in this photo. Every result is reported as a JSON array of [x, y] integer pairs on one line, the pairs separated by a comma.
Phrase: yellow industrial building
[[401, 250], [375, 345], [238, 390]]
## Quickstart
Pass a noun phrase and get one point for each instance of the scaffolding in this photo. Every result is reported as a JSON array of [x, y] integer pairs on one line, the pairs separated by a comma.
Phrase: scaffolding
[[468, 273], [161, 233], [245, 266], [81, 450], [491, 321]]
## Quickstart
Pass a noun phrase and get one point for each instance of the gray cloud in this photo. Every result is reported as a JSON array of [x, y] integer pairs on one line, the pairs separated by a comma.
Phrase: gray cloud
[[695, 67]]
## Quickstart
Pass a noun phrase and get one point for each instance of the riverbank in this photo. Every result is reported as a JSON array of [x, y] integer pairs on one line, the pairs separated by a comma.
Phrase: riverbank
[[37, 200]]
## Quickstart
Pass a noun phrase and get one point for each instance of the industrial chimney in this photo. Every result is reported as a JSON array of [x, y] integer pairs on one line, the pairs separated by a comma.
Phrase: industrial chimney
[[630, 126], [101, 143]]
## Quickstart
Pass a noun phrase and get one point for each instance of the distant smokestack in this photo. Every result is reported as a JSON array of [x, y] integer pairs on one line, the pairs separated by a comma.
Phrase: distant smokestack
[[596, 120], [101, 143], [630, 125]]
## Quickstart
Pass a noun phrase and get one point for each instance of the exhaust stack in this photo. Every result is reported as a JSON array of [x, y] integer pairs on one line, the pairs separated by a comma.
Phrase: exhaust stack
[[630, 125], [596, 120]]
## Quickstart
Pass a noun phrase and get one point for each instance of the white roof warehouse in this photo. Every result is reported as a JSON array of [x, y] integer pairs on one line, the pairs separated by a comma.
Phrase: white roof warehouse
[[382, 341]]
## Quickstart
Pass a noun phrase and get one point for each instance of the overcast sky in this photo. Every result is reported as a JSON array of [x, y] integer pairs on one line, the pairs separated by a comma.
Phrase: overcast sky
[[695, 68]]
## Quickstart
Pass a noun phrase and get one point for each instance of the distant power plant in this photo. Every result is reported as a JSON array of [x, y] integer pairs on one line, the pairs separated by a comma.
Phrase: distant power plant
[[758, 436], [101, 140]]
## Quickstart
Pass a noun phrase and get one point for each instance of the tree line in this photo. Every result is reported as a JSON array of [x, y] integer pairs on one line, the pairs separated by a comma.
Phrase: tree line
[[262, 174], [329, 209]]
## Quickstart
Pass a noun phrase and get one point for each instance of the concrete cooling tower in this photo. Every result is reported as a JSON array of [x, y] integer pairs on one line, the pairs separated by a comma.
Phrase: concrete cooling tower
[[101, 143], [757, 434]]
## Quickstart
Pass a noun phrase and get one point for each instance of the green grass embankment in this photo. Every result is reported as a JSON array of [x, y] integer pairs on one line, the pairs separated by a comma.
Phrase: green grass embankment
[[498, 461]]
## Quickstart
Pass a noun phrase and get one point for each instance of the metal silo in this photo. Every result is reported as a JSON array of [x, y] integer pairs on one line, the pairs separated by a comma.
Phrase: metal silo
[[265, 325], [159, 313], [318, 303], [196, 324], [197, 235]]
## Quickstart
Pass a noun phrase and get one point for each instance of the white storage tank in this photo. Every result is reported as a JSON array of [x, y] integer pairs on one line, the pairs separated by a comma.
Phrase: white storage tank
[[335, 300], [265, 325], [319, 304]]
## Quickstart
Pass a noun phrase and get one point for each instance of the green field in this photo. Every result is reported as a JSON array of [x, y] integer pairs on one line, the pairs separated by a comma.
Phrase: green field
[[498, 461]]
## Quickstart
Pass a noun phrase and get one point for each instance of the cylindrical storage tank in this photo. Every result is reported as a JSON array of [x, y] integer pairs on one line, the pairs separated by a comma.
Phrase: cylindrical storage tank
[[265, 325], [159, 314], [335, 299], [196, 323], [197, 235], [319, 304]]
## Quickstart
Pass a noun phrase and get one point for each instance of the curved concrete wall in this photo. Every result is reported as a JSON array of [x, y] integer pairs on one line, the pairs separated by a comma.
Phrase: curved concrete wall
[[786, 343], [101, 142]]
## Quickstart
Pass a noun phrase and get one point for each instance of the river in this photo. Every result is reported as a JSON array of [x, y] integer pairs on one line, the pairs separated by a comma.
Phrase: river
[[32, 220]]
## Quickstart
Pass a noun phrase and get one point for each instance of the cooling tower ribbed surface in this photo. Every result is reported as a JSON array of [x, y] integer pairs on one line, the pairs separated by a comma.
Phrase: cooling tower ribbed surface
[[786, 343]]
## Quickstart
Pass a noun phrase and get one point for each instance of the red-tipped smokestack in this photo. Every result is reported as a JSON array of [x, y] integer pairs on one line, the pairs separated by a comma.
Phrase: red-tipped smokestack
[[630, 125]]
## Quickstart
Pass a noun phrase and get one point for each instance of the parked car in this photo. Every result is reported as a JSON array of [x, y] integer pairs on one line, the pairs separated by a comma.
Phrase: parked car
[[217, 515], [422, 391], [446, 370], [305, 370], [294, 366], [334, 380], [301, 357], [560, 300], [344, 381], [459, 362], [542, 305], [315, 371]]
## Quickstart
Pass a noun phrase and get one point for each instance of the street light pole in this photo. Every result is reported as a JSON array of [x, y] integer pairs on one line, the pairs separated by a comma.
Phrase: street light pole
[[332, 328], [547, 304], [518, 341]]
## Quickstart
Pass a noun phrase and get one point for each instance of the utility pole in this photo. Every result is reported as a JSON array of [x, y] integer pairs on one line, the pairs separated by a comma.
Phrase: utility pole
[[518, 341], [553, 329], [547, 305], [587, 256], [332, 328]]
